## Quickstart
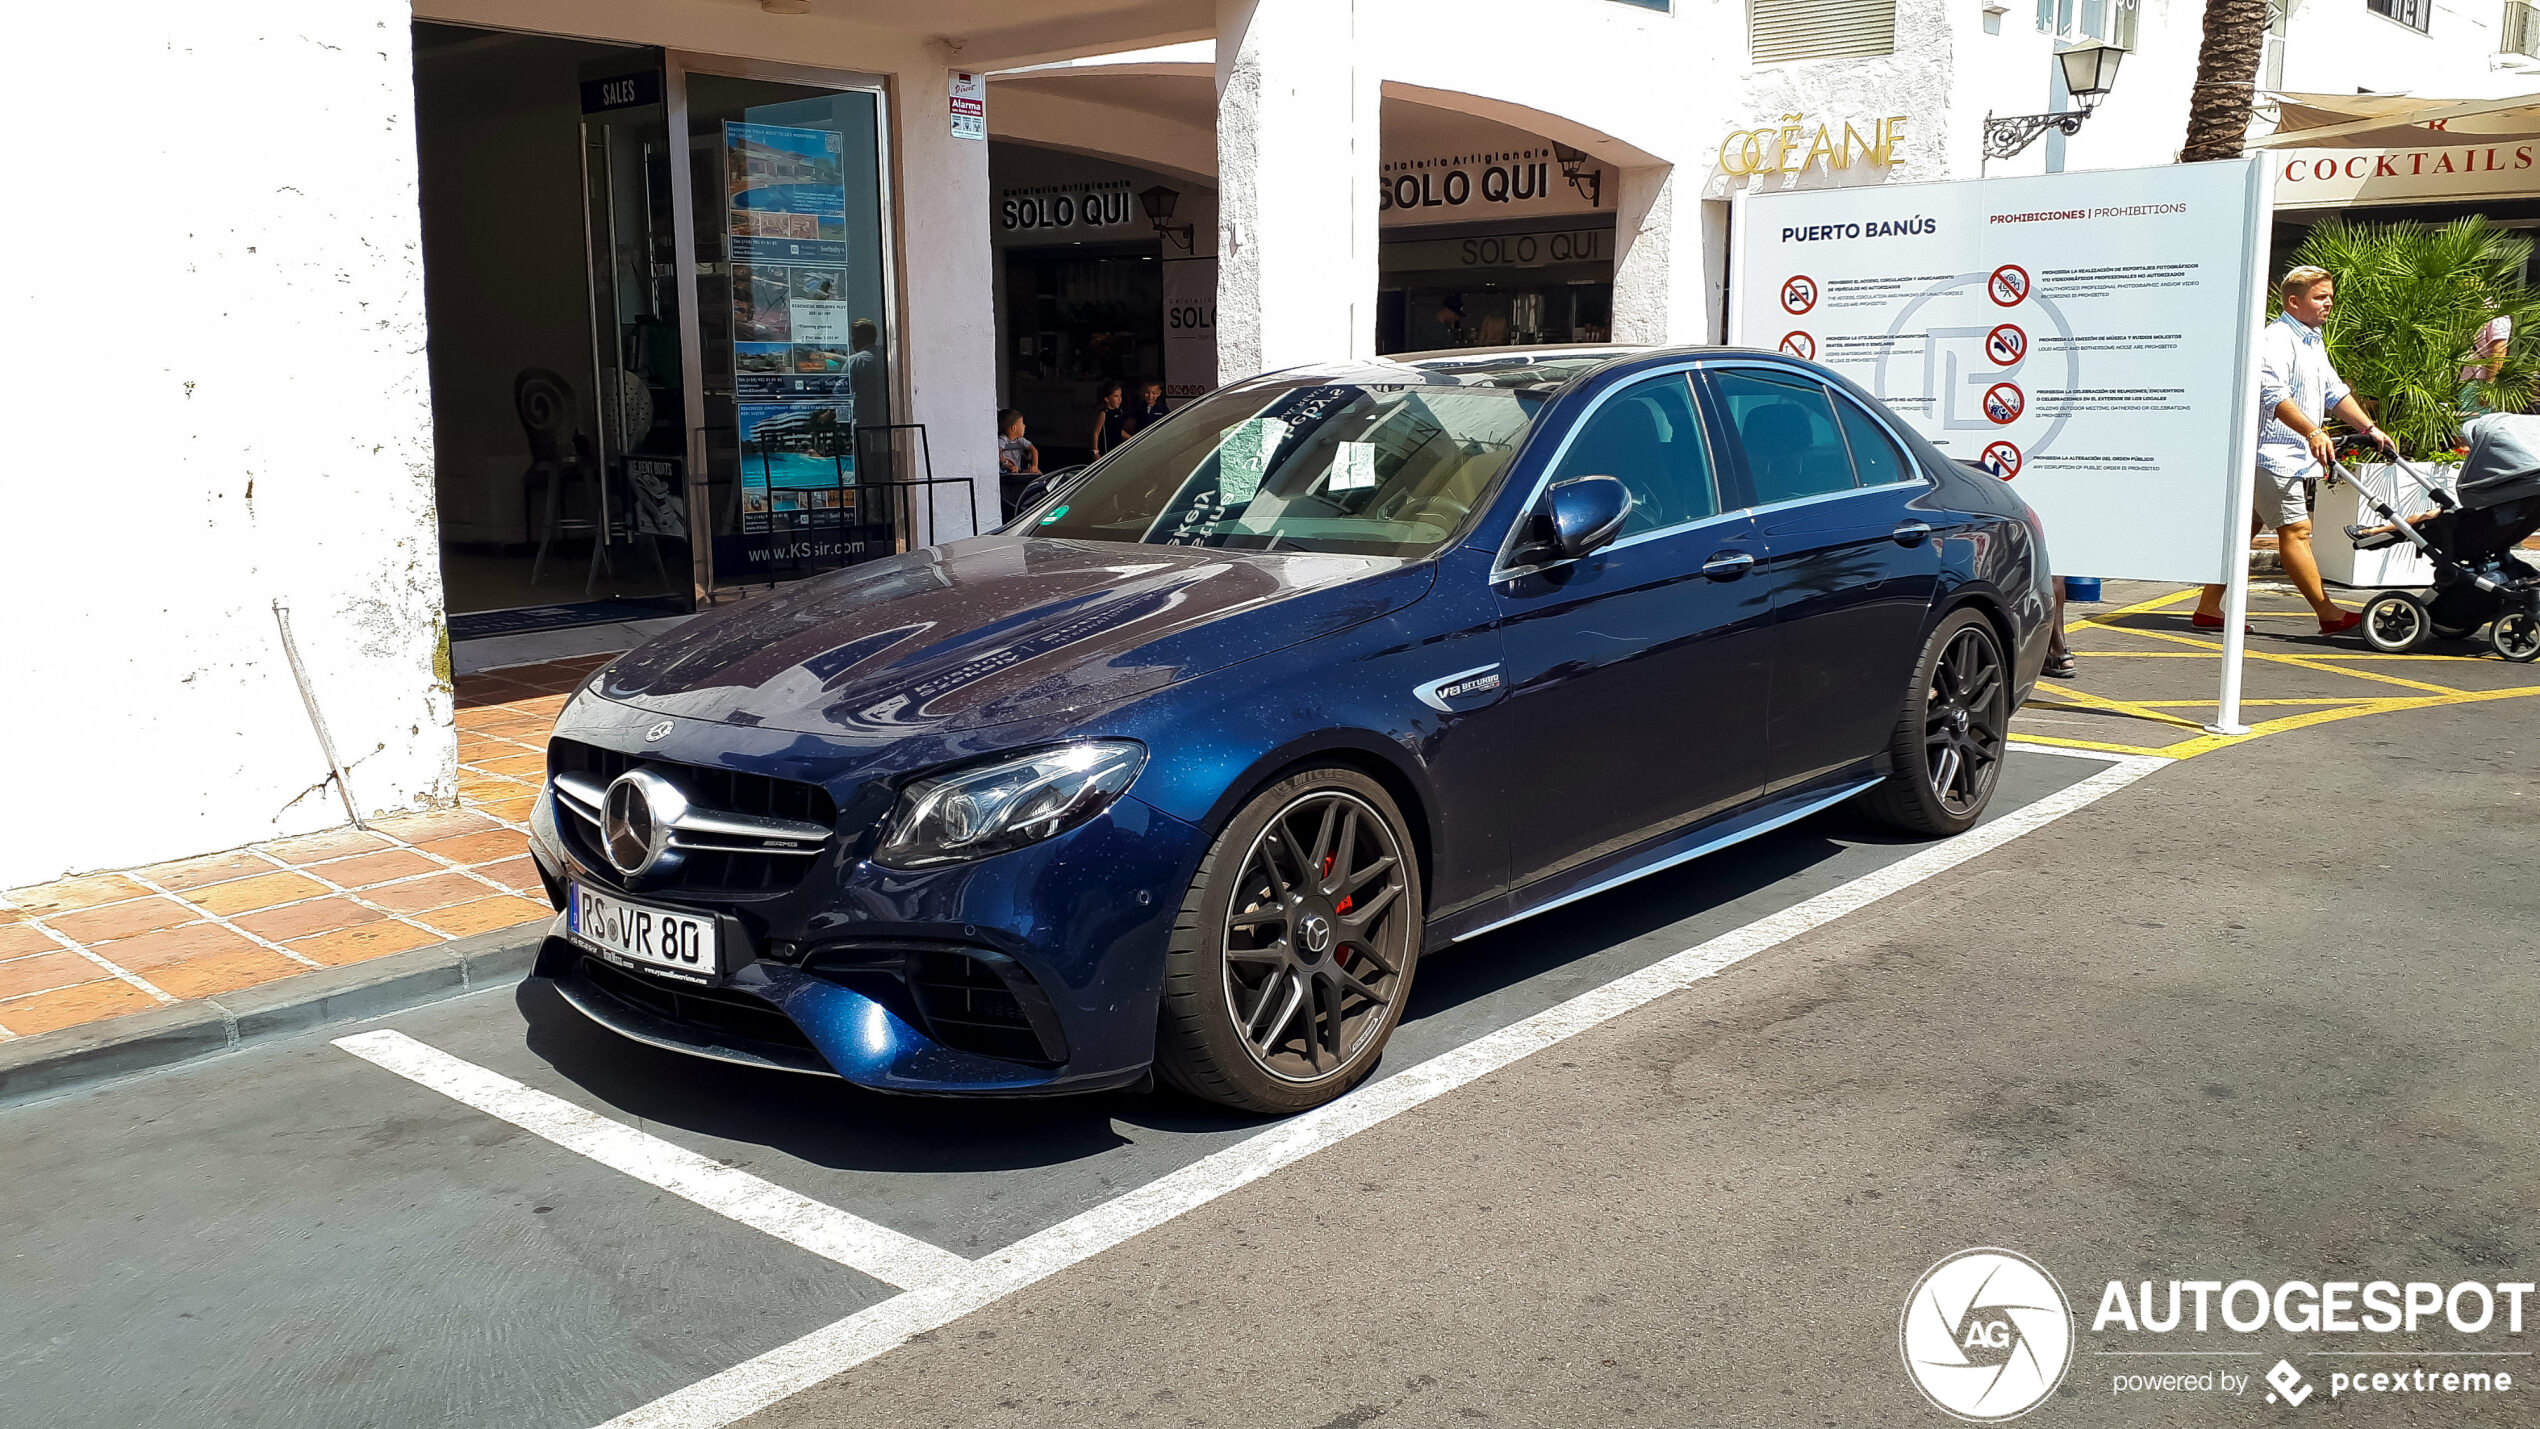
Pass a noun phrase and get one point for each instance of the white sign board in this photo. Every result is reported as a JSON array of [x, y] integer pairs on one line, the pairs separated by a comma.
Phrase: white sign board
[[1190, 328], [969, 105], [2088, 336]]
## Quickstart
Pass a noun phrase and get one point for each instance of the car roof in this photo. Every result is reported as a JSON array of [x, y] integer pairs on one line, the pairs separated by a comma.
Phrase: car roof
[[1543, 370]]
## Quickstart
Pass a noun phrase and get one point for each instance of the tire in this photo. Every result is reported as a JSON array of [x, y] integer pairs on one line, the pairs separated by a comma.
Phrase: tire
[[2516, 636], [1946, 753], [2396, 622], [1256, 1016]]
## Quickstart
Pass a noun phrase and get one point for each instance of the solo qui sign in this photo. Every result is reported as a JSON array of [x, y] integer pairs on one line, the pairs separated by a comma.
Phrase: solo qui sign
[[1484, 182]]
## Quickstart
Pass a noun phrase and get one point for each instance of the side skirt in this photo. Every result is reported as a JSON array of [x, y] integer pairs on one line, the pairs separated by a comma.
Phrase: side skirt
[[1685, 847]]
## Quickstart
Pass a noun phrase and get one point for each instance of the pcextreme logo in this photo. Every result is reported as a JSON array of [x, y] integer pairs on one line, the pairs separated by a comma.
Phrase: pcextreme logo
[[1986, 1334]]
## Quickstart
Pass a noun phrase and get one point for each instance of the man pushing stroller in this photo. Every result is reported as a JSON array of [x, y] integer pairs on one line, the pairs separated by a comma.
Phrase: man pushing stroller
[[2298, 389]]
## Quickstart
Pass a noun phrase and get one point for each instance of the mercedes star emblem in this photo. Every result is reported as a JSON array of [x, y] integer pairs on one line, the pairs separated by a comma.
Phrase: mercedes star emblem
[[636, 820], [657, 733]]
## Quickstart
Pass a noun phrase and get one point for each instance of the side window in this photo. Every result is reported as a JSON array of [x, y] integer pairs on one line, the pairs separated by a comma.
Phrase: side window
[[1647, 437], [1875, 459], [1785, 425]]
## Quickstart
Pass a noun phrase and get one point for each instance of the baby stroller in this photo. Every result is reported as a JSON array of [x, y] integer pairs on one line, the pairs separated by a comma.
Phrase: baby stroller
[[2470, 537]]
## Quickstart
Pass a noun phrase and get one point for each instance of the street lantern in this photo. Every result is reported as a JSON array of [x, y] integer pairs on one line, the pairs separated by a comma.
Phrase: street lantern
[[2089, 73], [1158, 203]]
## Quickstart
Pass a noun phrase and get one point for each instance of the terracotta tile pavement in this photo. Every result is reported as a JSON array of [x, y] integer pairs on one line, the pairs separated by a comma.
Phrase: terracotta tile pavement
[[104, 944]]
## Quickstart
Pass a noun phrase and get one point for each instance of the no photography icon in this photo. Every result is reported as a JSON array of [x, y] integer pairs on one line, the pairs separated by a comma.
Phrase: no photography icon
[[1801, 346], [1799, 294], [2003, 404], [2008, 285], [2006, 344]]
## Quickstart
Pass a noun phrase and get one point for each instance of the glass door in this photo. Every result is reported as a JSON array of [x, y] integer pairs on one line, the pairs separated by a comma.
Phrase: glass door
[[792, 395], [637, 512]]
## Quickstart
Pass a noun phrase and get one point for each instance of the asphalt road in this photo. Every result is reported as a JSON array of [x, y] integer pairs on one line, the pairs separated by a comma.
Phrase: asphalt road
[[2195, 1028]]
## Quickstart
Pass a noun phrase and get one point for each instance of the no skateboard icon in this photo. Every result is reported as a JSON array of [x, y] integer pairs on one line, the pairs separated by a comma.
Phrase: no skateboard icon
[[2003, 404], [2006, 345], [1799, 294], [2000, 458], [1801, 346], [2008, 285]]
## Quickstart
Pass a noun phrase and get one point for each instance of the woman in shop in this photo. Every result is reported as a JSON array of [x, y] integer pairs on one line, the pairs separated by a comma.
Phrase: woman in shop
[[1111, 419]]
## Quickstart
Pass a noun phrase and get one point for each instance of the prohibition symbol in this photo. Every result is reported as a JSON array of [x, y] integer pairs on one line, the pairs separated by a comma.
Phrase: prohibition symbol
[[1801, 346], [1799, 294], [2000, 458], [2003, 404], [2008, 286], [2006, 345]]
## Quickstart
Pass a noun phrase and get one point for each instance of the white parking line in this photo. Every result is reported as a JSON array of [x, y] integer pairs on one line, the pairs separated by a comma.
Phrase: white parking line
[[833, 1349], [824, 1230]]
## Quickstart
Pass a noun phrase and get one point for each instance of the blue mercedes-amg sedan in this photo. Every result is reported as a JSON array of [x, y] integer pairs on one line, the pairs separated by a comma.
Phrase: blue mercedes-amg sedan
[[1186, 770]]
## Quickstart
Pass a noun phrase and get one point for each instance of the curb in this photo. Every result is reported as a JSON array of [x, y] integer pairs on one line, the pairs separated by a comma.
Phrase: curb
[[49, 1063]]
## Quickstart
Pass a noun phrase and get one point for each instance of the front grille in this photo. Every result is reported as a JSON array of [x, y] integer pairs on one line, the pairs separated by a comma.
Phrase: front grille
[[729, 1011], [971, 1007], [723, 862]]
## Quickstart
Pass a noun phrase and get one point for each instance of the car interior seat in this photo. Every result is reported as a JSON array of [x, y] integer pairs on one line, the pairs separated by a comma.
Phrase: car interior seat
[[1629, 441], [1786, 459]]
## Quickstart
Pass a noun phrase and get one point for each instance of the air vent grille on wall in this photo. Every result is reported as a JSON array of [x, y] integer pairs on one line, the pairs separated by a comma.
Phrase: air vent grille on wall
[[1779, 30]]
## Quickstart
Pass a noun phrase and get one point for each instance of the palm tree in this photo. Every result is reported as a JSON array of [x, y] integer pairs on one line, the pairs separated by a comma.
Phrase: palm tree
[[2410, 298], [2226, 79]]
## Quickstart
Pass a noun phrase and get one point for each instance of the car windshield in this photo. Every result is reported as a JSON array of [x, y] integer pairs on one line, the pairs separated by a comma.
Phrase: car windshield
[[1379, 469]]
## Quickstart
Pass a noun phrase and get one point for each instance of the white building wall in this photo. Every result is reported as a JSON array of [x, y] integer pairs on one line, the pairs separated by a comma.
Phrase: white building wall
[[215, 395]]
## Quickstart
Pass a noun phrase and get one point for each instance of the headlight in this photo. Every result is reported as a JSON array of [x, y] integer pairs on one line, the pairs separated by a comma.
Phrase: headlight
[[971, 813]]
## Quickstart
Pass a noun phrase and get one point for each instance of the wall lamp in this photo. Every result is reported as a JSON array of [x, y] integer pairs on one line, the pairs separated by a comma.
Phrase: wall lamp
[[1588, 181], [2089, 73], [1158, 203]]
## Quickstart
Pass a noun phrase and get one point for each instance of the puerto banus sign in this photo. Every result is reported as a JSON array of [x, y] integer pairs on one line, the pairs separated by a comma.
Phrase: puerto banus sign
[[1795, 146]]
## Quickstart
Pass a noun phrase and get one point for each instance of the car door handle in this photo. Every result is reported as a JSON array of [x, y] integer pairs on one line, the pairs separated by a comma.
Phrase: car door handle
[[1911, 533], [1728, 565]]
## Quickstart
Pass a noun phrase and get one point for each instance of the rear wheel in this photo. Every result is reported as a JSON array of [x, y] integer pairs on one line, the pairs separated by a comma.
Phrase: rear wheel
[[1295, 947], [1948, 745], [2396, 622]]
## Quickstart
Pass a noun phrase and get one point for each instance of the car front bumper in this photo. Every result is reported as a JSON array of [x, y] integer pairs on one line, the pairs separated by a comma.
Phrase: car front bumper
[[1034, 971]]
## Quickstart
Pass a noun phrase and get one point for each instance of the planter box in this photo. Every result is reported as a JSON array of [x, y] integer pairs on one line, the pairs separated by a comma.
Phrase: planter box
[[2340, 506]]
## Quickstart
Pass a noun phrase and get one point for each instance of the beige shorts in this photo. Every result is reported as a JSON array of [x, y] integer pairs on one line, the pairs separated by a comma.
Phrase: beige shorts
[[2282, 500]]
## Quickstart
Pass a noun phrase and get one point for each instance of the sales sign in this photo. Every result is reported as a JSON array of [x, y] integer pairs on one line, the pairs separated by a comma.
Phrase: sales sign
[[2090, 333]]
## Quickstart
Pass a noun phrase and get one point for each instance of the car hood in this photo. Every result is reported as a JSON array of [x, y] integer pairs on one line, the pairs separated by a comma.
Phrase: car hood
[[997, 629]]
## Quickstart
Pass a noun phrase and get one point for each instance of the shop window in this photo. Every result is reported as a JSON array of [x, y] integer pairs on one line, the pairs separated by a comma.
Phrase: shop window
[[1780, 30], [2415, 14]]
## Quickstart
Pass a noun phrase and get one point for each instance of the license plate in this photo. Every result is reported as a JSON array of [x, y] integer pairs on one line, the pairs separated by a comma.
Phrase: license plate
[[642, 933]]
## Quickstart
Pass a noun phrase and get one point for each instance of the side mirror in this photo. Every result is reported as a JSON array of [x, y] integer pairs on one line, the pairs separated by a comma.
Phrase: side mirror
[[1578, 516]]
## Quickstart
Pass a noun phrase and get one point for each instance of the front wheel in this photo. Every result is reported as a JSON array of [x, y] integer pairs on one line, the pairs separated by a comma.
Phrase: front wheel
[[1948, 745], [2516, 636], [1294, 950], [2396, 622]]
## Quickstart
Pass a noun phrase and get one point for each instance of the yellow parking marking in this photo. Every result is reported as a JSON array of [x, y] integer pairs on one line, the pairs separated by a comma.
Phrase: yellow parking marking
[[2299, 712]]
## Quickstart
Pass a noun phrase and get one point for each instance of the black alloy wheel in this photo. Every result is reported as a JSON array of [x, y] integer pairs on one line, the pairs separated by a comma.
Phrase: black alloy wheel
[[1294, 952], [1948, 745]]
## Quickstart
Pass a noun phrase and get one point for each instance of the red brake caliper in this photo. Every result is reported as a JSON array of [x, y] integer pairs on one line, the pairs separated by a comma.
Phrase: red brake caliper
[[1340, 955]]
